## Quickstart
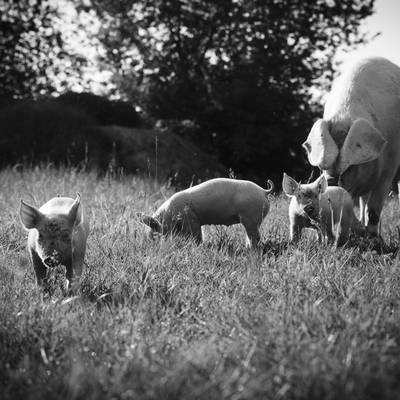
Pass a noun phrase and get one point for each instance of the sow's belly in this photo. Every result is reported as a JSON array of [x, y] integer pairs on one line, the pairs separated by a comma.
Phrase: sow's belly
[[216, 218]]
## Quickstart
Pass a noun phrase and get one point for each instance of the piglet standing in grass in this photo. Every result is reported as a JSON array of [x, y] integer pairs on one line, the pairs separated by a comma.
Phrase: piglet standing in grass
[[329, 209], [57, 236], [219, 201]]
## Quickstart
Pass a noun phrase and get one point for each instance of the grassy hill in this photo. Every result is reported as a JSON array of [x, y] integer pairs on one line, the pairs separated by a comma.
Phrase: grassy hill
[[171, 320]]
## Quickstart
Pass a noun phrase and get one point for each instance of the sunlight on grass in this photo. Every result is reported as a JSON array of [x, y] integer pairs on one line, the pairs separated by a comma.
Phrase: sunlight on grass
[[169, 319]]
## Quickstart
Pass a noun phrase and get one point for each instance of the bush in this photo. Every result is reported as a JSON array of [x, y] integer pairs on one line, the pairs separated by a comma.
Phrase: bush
[[102, 110], [46, 131], [49, 131]]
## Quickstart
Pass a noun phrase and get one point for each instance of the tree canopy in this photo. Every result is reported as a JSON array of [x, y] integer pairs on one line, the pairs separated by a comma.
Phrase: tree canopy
[[241, 70], [28, 47], [234, 76]]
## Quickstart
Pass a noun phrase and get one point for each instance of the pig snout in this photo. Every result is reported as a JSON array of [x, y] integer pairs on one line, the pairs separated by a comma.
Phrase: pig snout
[[309, 209], [53, 258], [51, 261]]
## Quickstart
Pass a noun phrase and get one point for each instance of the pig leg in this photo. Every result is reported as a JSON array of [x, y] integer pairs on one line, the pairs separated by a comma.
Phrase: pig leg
[[78, 266], [398, 190], [75, 272], [323, 236], [342, 234], [252, 230], [69, 274], [253, 236], [342, 227], [191, 226], [297, 224], [78, 251], [375, 204], [363, 204], [196, 233], [78, 257], [39, 267]]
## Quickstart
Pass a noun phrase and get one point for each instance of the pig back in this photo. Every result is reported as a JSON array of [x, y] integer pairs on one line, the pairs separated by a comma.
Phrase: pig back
[[221, 201]]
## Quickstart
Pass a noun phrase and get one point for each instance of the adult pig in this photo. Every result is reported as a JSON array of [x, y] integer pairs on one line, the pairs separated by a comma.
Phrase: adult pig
[[357, 142]]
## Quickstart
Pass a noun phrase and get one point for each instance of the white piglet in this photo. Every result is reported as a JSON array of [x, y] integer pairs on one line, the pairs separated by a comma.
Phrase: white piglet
[[219, 201], [57, 236], [329, 209]]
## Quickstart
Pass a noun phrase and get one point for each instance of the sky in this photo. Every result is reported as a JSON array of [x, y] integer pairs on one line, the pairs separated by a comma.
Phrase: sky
[[386, 20]]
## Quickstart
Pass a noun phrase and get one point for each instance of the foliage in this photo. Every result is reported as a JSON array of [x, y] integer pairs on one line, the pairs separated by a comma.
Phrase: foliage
[[28, 47], [241, 70], [40, 49], [102, 110], [232, 76], [45, 131], [87, 131], [172, 320]]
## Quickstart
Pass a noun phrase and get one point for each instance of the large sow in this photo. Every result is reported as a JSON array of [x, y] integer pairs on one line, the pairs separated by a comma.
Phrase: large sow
[[357, 142]]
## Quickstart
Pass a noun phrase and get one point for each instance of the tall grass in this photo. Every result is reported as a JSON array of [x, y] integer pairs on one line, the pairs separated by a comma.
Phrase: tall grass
[[171, 320]]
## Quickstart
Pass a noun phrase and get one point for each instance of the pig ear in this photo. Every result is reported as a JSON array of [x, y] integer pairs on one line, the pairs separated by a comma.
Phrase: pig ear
[[153, 223], [322, 184], [322, 150], [289, 185], [75, 214], [363, 143], [30, 216]]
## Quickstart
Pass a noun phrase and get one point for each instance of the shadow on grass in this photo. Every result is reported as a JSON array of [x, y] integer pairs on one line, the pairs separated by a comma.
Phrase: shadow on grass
[[274, 248], [364, 243], [133, 294]]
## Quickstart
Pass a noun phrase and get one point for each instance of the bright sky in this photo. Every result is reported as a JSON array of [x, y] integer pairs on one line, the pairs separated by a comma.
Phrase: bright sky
[[386, 20]]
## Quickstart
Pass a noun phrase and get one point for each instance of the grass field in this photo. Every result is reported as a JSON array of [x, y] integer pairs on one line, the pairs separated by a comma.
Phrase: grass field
[[172, 320]]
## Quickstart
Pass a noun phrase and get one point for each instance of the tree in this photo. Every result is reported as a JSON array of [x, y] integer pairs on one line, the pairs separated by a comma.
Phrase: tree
[[27, 43], [240, 69], [34, 57]]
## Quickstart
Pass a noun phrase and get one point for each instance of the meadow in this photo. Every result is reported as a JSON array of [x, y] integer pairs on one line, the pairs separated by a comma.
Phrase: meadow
[[168, 319]]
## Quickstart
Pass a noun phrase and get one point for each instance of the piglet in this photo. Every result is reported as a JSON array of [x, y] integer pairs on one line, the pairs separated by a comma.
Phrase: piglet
[[329, 209], [219, 201], [57, 236]]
